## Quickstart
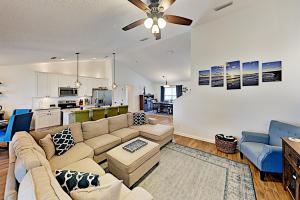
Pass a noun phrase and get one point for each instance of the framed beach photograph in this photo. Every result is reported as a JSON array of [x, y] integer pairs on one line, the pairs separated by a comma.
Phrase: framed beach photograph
[[251, 73], [217, 76], [233, 75], [272, 71], [204, 77]]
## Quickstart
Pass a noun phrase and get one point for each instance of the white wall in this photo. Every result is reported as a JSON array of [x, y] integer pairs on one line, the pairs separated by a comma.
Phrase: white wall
[[125, 76], [19, 82], [267, 30]]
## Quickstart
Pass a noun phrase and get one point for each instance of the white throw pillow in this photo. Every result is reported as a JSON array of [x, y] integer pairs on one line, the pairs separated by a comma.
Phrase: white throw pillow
[[106, 192]]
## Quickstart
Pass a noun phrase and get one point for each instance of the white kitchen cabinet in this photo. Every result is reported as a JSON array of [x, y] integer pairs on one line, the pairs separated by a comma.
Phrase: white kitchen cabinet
[[42, 84], [47, 85], [47, 118], [67, 81]]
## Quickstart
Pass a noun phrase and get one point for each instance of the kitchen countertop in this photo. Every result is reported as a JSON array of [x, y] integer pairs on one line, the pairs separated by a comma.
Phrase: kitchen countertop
[[50, 108]]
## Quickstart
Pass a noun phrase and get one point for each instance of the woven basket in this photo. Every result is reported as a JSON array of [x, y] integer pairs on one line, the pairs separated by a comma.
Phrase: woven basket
[[225, 146]]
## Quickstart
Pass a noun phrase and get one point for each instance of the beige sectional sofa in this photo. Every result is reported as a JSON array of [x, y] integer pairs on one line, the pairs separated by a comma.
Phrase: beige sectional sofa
[[31, 167]]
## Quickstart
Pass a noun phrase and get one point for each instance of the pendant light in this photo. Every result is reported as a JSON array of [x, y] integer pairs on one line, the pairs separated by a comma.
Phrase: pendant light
[[166, 84], [114, 86], [77, 83]]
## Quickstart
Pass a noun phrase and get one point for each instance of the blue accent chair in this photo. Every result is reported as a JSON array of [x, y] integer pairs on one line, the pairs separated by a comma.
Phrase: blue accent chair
[[265, 150], [16, 123], [21, 111]]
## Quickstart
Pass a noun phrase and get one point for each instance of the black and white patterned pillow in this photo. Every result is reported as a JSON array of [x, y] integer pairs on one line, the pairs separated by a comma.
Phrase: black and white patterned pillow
[[72, 180], [63, 141], [139, 118]]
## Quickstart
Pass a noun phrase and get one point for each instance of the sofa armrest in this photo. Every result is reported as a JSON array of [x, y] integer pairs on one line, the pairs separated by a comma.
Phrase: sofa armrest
[[254, 137], [270, 160], [138, 193]]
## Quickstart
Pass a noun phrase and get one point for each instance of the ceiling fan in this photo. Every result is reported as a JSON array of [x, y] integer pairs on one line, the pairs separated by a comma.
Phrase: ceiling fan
[[156, 18]]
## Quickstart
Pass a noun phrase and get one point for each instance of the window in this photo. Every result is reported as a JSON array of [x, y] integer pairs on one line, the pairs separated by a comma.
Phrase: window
[[170, 93]]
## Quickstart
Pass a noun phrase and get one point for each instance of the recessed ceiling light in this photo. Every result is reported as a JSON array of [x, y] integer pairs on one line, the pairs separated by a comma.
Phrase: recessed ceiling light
[[94, 58], [62, 59]]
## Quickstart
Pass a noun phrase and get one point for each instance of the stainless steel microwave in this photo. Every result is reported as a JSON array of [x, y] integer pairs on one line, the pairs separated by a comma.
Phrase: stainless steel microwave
[[67, 91]]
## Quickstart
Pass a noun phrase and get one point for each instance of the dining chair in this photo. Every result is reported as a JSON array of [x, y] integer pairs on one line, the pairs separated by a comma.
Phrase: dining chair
[[16, 123], [98, 113], [21, 111], [112, 111], [123, 109], [82, 116]]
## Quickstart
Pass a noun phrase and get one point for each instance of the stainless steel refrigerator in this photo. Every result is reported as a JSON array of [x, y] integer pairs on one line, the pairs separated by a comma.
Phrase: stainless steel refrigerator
[[102, 97]]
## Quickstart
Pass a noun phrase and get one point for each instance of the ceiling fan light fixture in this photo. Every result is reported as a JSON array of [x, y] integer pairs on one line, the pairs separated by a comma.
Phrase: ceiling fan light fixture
[[155, 29], [148, 23], [161, 23]]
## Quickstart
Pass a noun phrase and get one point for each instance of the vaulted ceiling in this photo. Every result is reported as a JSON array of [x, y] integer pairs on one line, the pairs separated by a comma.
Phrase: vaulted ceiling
[[32, 31]]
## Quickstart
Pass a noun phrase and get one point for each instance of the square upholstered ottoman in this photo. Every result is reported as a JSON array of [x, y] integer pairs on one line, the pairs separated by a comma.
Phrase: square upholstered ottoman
[[130, 167]]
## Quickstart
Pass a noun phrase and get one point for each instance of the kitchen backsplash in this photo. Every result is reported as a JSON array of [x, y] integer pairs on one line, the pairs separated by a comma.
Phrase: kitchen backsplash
[[38, 103]]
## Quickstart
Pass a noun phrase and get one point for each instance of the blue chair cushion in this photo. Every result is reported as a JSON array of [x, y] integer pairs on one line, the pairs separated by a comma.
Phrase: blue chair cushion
[[280, 129], [252, 150]]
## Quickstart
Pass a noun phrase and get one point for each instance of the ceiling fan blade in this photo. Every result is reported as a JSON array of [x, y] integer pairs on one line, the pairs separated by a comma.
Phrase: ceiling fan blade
[[178, 20], [165, 4], [141, 5], [157, 36], [134, 24]]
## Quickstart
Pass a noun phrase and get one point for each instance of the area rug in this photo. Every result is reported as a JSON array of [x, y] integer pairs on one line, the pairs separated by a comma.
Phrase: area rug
[[187, 174]]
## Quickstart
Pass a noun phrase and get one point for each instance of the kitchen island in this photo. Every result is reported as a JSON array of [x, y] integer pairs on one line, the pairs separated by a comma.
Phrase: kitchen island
[[69, 116]]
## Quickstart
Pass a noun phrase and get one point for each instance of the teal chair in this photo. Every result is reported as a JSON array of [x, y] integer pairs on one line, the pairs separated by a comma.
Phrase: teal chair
[[21, 111]]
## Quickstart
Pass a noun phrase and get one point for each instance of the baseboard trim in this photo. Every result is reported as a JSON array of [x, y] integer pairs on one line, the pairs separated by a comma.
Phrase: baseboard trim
[[195, 137]]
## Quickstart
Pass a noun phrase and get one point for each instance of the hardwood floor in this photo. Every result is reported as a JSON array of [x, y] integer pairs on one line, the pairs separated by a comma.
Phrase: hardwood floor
[[270, 189]]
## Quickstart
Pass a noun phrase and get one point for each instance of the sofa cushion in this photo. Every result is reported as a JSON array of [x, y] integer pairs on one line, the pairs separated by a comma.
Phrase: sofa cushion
[[75, 129], [76, 153], [252, 150], [22, 141], [109, 178], [93, 129], [39, 183], [126, 134], [48, 146], [103, 143], [130, 119], [26, 160], [85, 165], [156, 132], [103, 192], [73, 180], [117, 122]]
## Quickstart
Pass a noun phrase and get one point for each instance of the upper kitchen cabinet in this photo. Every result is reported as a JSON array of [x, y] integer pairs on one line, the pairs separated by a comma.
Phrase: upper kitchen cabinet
[[67, 81], [47, 85], [99, 82], [86, 87]]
